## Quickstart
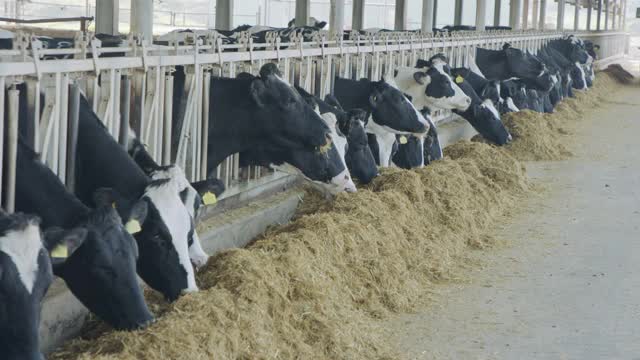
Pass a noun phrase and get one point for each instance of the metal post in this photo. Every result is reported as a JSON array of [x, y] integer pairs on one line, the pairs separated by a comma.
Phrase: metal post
[[125, 111], [516, 11], [599, 15], [224, 14], [435, 13], [400, 22], [481, 15], [606, 15], [357, 20], [303, 11], [534, 17], [428, 11], [457, 17], [613, 15], [589, 10], [560, 20], [12, 149], [142, 19], [107, 14], [543, 14], [336, 16], [525, 14], [496, 12], [72, 145], [2, 148], [576, 17], [624, 17], [168, 118]]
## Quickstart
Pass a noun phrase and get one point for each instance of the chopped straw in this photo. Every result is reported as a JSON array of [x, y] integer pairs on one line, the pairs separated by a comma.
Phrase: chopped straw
[[317, 287]]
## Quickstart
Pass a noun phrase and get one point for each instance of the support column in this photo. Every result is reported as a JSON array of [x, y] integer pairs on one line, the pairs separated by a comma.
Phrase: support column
[[481, 15], [224, 14], [614, 14], [560, 20], [543, 14], [525, 14], [336, 16], [457, 16], [142, 19], [576, 16], [515, 20], [589, 10], [624, 16], [606, 15], [428, 16], [357, 21], [496, 12], [107, 16], [534, 17], [303, 12], [599, 15], [400, 22]]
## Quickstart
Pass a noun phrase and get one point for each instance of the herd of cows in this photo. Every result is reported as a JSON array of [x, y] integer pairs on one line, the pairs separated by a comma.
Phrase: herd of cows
[[130, 216]]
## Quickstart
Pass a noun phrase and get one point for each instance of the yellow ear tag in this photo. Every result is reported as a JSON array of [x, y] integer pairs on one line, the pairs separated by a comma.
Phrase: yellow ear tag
[[209, 198], [61, 252], [133, 226], [113, 204], [403, 140], [459, 79]]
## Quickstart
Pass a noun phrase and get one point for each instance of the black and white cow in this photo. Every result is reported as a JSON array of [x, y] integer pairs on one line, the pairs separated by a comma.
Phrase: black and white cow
[[101, 271], [430, 85], [358, 157], [510, 63], [311, 21], [164, 262], [391, 112], [193, 195], [25, 276], [483, 115]]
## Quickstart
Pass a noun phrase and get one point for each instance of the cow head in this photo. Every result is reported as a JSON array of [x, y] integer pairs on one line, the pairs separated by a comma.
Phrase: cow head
[[391, 109], [193, 196], [410, 152], [283, 114], [101, 272], [430, 85], [25, 276], [358, 158]]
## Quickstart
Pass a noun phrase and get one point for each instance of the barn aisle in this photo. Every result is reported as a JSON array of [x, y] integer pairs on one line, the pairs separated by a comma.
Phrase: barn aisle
[[567, 284]]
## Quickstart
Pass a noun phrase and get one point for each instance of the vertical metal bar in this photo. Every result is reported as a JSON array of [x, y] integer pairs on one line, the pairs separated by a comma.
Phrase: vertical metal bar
[[457, 16], [589, 10], [400, 18], [30, 134], [336, 16], [64, 121], [125, 110], [525, 14], [427, 16], [2, 144], [535, 13], [168, 118], [606, 14], [12, 148], [560, 19], [496, 12], [543, 14], [357, 22], [599, 15], [72, 145], [303, 11], [614, 15], [576, 16], [481, 15], [205, 124]]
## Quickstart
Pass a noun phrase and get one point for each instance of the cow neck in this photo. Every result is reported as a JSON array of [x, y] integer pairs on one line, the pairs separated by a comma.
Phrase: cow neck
[[102, 162], [40, 191], [233, 124], [492, 63]]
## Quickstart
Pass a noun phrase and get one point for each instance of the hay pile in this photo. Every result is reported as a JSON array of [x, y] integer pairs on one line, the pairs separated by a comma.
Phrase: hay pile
[[545, 136], [317, 287]]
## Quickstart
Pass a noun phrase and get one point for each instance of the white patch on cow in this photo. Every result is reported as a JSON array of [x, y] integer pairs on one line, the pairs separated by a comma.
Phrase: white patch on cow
[[258, 28], [488, 104], [175, 174], [23, 247], [343, 181], [554, 78], [173, 213], [510, 105], [385, 140], [583, 76], [408, 85]]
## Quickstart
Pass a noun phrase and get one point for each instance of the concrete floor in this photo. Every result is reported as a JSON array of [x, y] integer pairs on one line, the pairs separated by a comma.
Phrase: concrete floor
[[567, 286]]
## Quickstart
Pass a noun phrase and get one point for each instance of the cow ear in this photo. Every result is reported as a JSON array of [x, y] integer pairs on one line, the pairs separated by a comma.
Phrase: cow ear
[[137, 216], [423, 63], [331, 100], [209, 190], [61, 244], [321, 24], [269, 69], [420, 77], [106, 197], [258, 91]]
